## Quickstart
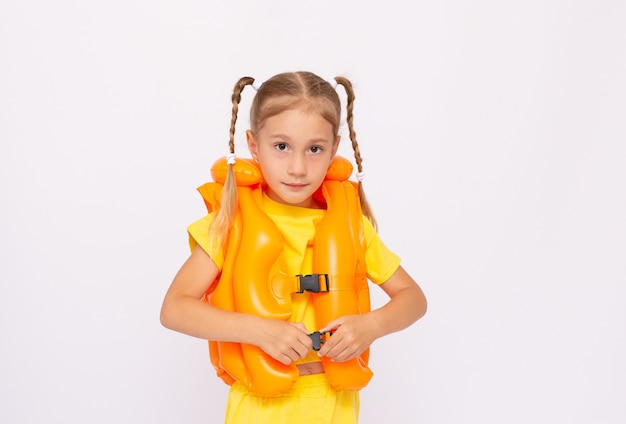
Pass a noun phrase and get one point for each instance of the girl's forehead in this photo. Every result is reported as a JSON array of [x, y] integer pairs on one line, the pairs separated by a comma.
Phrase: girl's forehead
[[298, 118], [298, 113]]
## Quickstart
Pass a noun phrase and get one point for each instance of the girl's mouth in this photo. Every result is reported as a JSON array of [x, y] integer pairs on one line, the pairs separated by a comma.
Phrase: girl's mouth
[[295, 185]]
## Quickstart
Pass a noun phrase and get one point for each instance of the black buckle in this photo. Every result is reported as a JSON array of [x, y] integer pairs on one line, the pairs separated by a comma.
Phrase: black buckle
[[319, 339], [313, 283]]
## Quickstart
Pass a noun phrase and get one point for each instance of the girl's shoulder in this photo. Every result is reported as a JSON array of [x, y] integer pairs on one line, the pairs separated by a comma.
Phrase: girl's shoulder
[[201, 234]]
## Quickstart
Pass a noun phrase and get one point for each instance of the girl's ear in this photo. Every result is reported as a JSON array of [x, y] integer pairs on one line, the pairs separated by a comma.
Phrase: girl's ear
[[252, 144]]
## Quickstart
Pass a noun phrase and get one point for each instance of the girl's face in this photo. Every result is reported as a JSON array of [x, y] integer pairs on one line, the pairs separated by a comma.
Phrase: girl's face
[[294, 150]]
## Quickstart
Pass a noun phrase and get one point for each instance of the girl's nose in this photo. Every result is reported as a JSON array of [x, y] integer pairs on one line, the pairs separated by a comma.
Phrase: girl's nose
[[297, 165]]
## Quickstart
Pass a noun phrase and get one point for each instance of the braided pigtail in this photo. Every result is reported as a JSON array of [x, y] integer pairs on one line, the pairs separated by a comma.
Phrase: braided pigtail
[[228, 201], [365, 206]]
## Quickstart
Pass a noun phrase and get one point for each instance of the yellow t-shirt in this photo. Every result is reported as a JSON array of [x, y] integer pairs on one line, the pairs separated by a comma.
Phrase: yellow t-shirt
[[297, 226]]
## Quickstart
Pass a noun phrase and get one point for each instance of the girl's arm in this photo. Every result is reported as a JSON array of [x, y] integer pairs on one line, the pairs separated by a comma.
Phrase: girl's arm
[[352, 334], [184, 311]]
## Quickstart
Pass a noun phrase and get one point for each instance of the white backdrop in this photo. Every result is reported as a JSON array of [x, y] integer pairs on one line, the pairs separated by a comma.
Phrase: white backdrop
[[493, 135]]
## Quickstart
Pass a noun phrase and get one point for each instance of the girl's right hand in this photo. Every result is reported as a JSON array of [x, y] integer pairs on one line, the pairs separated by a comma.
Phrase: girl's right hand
[[284, 341]]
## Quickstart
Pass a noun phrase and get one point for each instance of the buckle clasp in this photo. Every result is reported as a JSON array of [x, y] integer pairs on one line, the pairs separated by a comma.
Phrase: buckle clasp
[[314, 283], [319, 338]]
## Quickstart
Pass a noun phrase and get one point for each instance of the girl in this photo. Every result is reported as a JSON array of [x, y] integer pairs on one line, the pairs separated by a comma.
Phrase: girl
[[277, 277]]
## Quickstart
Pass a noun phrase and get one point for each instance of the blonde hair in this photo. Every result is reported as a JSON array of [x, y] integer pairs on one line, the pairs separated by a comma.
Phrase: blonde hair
[[290, 90]]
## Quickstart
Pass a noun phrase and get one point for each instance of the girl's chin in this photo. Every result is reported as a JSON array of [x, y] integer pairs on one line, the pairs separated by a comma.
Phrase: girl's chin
[[303, 202]]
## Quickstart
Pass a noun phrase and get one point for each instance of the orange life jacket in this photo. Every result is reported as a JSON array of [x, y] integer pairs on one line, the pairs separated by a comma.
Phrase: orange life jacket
[[254, 276]]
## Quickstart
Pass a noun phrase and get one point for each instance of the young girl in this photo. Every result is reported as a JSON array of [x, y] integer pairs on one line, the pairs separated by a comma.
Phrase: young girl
[[277, 277]]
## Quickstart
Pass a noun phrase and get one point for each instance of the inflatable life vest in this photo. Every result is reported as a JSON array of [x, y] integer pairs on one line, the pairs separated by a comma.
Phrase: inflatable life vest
[[254, 277]]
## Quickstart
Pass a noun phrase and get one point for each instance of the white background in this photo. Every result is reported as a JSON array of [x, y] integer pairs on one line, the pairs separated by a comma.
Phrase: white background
[[494, 140]]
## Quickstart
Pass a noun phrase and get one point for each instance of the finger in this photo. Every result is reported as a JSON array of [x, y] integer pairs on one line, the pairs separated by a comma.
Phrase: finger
[[341, 354], [329, 345], [294, 355], [300, 326], [331, 326], [290, 355], [301, 349], [285, 359], [345, 355], [308, 343]]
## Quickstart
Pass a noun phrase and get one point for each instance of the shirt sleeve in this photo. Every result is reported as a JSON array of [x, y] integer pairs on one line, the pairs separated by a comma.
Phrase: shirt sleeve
[[199, 235], [381, 262]]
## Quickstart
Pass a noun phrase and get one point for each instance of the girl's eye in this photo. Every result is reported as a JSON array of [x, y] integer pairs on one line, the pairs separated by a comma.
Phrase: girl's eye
[[316, 149], [280, 146]]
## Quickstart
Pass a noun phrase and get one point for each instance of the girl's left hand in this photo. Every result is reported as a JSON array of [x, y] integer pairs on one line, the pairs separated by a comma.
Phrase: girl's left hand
[[352, 335]]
